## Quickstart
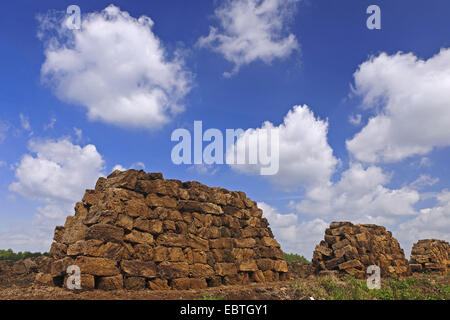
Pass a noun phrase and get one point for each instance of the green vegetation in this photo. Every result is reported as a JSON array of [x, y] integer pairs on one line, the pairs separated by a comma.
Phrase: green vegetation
[[349, 288], [206, 296], [293, 257], [11, 255], [413, 289]]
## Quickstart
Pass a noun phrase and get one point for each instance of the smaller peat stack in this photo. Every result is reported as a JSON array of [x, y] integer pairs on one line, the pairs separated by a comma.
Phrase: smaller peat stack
[[430, 255], [350, 249]]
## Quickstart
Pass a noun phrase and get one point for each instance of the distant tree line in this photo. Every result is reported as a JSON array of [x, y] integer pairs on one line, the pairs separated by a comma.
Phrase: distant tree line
[[15, 256], [293, 257]]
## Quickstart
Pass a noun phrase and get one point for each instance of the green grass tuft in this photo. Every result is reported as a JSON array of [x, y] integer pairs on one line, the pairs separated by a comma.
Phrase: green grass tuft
[[206, 296]]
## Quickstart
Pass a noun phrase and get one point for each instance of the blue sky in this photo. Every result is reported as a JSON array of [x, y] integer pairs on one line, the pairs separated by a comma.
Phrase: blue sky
[[38, 112]]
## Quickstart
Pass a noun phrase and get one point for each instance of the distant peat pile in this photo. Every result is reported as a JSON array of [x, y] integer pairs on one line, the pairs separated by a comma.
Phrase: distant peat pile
[[138, 230], [430, 255], [350, 249]]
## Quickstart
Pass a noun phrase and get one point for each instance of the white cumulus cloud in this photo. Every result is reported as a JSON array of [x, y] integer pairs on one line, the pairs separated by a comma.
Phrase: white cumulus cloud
[[431, 223], [252, 30], [56, 173], [117, 68], [305, 157], [411, 98], [136, 165], [360, 196], [294, 236]]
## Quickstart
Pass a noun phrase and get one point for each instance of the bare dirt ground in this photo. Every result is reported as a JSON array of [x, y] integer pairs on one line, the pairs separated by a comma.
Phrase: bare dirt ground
[[302, 286], [22, 287], [272, 291]]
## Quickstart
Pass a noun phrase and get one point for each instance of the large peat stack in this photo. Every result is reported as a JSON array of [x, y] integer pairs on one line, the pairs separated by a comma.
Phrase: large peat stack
[[138, 230], [350, 249], [430, 255]]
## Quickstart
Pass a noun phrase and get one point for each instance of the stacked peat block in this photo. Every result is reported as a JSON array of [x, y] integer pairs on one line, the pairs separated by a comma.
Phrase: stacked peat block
[[23, 271], [300, 270], [430, 255], [350, 249], [138, 230]]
